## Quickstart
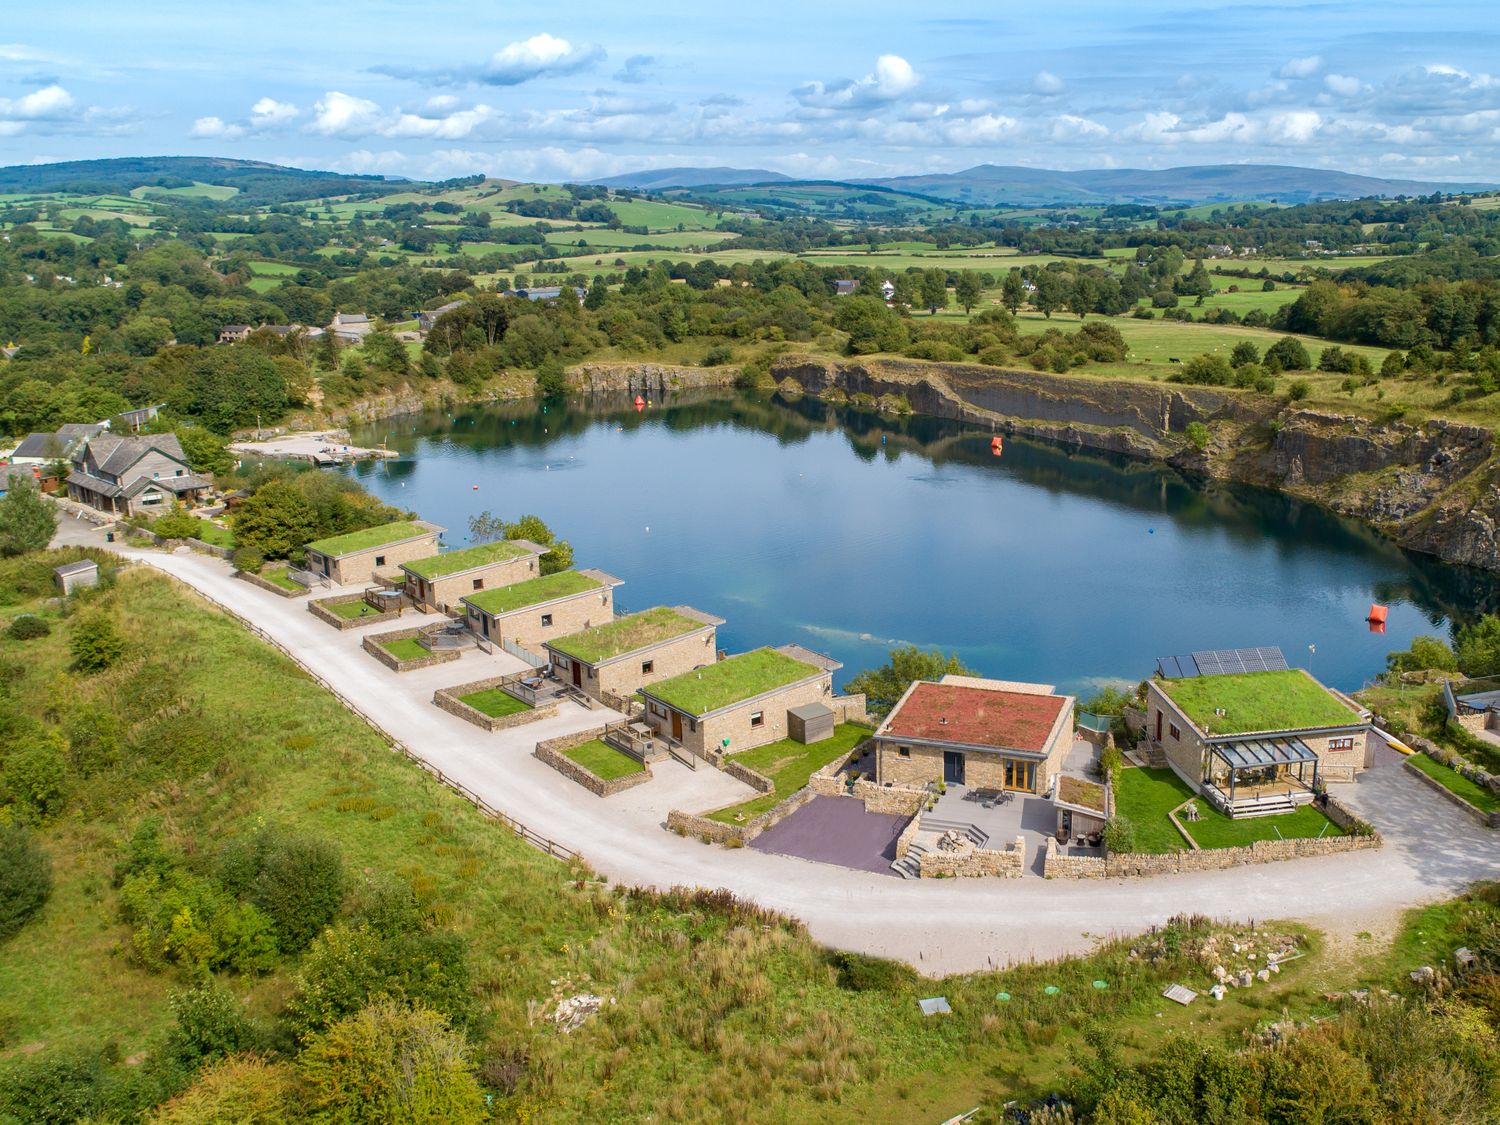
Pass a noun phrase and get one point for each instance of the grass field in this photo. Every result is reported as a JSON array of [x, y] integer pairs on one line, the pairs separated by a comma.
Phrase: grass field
[[351, 611], [214, 535], [789, 764], [217, 192], [277, 576], [494, 703], [604, 761]]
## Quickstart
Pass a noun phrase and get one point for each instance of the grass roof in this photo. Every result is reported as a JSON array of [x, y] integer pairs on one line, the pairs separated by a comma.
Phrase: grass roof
[[731, 681], [371, 537], [1258, 701], [452, 562], [535, 591], [627, 634]]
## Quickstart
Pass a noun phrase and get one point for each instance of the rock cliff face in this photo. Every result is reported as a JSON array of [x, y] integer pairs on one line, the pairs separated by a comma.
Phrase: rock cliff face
[[1432, 487], [634, 378]]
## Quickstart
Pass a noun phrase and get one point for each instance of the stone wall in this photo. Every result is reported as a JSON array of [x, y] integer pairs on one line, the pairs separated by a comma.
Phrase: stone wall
[[757, 781], [447, 699], [1217, 859], [631, 378], [903, 841], [567, 615], [1060, 866], [553, 752], [443, 594], [257, 580], [319, 610], [375, 646], [976, 864], [359, 567], [620, 679]]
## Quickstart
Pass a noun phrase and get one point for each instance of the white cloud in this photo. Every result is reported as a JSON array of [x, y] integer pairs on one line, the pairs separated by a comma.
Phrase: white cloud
[[1301, 68], [1295, 127], [268, 112], [215, 128], [48, 103], [637, 69], [1047, 83], [540, 55], [342, 114], [1069, 127], [892, 77], [1344, 85]]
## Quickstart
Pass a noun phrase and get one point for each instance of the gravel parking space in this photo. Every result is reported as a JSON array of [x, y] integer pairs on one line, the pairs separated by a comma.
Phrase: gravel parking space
[[836, 830]]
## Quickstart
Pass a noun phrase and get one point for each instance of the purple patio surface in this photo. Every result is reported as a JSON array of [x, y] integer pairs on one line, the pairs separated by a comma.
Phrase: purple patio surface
[[836, 830]]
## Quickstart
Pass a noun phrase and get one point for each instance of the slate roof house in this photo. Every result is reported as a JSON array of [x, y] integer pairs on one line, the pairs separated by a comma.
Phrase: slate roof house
[[127, 475], [351, 328], [611, 661], [425, 320], [983, 734], [1251, 734], [43, 449]]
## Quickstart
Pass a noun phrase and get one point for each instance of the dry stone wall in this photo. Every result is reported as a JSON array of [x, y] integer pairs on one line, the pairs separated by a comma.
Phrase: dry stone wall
[[319, 609], [447, 699], [977, 863], [375, 646], [257, 580], [553, 752], [1057, 865]]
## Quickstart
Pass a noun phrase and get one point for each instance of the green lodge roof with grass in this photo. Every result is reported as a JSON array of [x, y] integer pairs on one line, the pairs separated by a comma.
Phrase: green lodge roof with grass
[[470, 558], [535, 591], [731, 681], [337, 546], [628, 634], [1256, 702]]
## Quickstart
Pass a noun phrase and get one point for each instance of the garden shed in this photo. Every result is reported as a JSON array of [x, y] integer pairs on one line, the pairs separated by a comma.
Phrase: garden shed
[[76, 575], [812, 722]]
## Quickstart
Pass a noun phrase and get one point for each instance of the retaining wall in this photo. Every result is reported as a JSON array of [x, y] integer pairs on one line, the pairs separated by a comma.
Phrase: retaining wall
[[1060, 866], [903, 841], [447, 699], [257, 580], [552, 752], [319, 610], [976, 864], [1217, 859], [1473, 812], [375, 646]]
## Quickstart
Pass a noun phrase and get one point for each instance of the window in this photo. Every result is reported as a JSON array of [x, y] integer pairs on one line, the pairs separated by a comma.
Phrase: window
[[647, 667], [546, 621], [658, 710], [479, 583], [1173, 731], [156, 476], [1341, 744], [757, 718], [904, 751], [379, 560]]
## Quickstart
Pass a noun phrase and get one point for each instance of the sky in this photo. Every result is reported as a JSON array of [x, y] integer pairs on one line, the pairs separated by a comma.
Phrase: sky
[[865, 88]]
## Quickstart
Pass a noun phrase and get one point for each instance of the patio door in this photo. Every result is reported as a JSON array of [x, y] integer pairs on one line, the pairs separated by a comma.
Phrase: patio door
[[1020, 776], [953, 767], [577, 674], [677, 725]]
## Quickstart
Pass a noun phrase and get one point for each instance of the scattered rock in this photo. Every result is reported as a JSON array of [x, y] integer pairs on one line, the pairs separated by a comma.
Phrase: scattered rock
[[572, 1012]]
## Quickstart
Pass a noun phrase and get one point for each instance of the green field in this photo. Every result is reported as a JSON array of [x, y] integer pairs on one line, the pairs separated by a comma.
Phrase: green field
[[1456, 783], [217, 192], [350, 611], [407, 648], [1145, 796]]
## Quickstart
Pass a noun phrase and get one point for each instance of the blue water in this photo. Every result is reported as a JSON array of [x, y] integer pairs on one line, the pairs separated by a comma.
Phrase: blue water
[[797, 522]]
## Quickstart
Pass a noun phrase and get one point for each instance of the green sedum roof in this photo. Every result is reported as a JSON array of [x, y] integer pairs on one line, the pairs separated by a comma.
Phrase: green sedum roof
[[1257, 702], [534, 591], [371, 537], [452, 562], [731, 681], [627, 634]]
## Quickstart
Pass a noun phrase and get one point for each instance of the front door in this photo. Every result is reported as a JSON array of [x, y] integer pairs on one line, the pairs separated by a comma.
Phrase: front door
[[953, 767], [677, 726], [577, 674]]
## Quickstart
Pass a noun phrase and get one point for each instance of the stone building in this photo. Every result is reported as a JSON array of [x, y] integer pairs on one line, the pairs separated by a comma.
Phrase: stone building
[[440, 582], [358, 556], [529, 614], [610, 662]]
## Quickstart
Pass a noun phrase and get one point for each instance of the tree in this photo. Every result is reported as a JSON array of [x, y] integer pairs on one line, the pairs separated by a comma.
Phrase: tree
[[299, 887], [242, 1089], [1425, 652], [1478, 647], [1244, 352], [1013, 292], [27, 522], [176, 523], [205, 450], [25, 877], [1289, 354], [277, 520], [96, 643], [968, 290], [934, 289], [233, 387], [551, 380], [1050, 292], [390, 1063], [884, 685]]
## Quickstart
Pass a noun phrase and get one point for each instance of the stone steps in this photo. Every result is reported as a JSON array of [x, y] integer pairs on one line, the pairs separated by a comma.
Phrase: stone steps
[[909, 866], [980, 837]]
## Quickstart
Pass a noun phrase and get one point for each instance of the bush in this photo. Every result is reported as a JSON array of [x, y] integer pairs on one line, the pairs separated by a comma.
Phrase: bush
[[859, 973], [1299, 390], [187, 920], [249, 560], [28, 627], [718, 355], [1478, 647], [1197, 435], [244, 1090], [36, 775], [1426, 652], [551, 380], [25, 877], [27, 522], [1119, 835], [210, 1023], [96, 643], [299, 887], [176, 523]]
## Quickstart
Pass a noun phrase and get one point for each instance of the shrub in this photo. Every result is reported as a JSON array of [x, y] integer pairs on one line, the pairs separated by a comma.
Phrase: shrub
[[1299, 390], [390, 1063], [718, 355], [187, 920], [1197, 435], [36, 776], [244, 1090], [859, 973], [299, 887], [96, 643], [1119, 835], [249, 560], [210, 1022], [25, 877], [1425, 652], [551, 380], [176, 523], [28, 627], [60, 1086], [27, 522]]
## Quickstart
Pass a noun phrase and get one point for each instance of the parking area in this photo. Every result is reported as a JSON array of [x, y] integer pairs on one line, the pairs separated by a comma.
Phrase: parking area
[[836, 830]]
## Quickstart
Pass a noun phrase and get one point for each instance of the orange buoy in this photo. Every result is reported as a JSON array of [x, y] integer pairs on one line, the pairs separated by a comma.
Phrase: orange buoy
[[640, 404], [997, 445], [1377, 614]]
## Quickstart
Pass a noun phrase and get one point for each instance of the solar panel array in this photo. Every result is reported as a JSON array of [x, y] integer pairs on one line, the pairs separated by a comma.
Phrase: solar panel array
[[1228, 661]]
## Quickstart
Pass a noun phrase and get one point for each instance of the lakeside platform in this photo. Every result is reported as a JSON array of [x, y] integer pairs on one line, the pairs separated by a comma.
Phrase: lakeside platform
[[326, 447]]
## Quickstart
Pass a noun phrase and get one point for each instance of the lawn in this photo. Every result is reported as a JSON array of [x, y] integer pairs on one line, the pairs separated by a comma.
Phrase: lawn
[[406, 649], [277, 576], [1478, 796], [494, 703], [351, 611], [789, 764], [1145, 796], [604, 761], [1257, 701], [214, 535], [730, 681], [627, 634], [506, 599], [368, 538]]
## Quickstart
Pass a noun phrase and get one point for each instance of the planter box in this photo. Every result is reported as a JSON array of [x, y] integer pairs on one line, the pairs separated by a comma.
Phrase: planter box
[[447, 699], [553, 753], [375, 646], [319, 610], [257, 580]]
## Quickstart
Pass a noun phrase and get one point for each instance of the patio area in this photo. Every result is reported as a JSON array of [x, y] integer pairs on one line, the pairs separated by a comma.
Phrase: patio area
[[1032, 818], [836, 830]]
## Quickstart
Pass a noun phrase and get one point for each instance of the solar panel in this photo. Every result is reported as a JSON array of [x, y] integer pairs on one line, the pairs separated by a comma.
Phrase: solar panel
[[1229, 661]]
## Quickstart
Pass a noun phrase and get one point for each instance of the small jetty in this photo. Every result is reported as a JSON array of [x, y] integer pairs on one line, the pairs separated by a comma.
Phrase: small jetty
[[325, 448]]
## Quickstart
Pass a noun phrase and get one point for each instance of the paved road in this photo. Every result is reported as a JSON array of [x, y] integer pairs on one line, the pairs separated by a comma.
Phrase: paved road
[[950, 925]]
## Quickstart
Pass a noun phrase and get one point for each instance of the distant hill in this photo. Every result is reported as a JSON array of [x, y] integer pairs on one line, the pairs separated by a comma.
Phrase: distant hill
[[660, 179], [994, 185], [257, 182]]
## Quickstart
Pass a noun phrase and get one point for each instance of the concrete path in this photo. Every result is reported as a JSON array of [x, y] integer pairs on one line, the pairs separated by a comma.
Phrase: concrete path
[[949, 925]]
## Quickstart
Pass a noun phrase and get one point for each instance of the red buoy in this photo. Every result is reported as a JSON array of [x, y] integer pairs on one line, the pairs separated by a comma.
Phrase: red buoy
[[997, 445], [1377, 614], [640, 404]]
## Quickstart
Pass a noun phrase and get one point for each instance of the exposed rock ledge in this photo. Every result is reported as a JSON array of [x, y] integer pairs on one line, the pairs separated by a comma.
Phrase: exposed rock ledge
[[1433, 487]]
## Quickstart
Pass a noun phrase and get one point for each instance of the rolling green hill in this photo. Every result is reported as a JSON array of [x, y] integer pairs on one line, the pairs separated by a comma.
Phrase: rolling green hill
[[255, 182]]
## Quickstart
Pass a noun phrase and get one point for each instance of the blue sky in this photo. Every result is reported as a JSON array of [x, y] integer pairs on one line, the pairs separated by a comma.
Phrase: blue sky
[[817, 89]]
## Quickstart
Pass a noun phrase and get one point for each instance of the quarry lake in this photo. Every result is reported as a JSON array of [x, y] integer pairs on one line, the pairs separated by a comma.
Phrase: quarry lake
[[847, 531]]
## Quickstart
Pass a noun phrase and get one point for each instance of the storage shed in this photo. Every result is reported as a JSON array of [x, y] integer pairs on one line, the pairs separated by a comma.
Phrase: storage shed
[[812, 722], [76, 575]]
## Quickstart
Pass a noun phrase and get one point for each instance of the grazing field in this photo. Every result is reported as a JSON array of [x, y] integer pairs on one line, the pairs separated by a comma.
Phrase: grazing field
[[216, 192]]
